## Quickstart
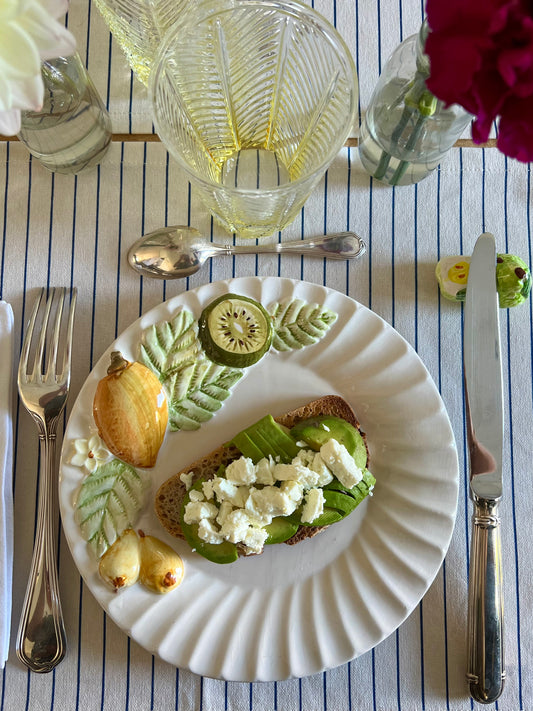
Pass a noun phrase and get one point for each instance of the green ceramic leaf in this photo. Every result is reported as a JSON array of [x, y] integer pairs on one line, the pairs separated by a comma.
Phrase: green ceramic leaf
[[298, 324], [197, 391], [109, 501], [195, 387], [170, 344]]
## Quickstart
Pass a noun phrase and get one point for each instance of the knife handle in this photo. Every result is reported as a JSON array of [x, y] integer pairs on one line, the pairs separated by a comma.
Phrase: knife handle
[[486, 670]]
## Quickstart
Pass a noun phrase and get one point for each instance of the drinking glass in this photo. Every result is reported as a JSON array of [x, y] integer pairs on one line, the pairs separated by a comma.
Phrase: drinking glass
[[254, 101], [72, 131]]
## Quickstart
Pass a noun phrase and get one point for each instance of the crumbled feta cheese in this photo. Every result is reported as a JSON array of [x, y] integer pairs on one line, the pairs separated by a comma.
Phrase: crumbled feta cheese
[[254, 540], [341, 463], [195, 511], [209, 532], [293, 489], [312, 460], [241, 471], [195, 495], [207, 487], [313, 506], [264, 471], [305, 457], [186, 478], [272, 501], [235, 526], [257, 517], [296, 472], [225, 509], [227, 491], [319, 466]]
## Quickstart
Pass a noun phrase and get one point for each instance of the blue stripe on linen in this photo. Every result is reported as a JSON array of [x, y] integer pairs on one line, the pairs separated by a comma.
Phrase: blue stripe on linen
[[143, 206], [109, 57], [379, 39], [398, 680], [393, 253], [464, 467], [439, 382], [369, 246], [152, 689], [119, 246], [511, 449], [80, 585], [4, 674]]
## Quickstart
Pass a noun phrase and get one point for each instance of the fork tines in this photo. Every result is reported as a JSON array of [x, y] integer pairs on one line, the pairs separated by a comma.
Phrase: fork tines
[[53, 335]]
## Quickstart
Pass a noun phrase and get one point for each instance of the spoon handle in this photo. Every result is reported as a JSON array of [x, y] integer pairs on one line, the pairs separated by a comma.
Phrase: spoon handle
[[339, 245]]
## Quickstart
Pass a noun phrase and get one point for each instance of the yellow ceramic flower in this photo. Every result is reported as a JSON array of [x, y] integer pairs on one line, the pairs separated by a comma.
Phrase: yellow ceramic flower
[[29, 33]]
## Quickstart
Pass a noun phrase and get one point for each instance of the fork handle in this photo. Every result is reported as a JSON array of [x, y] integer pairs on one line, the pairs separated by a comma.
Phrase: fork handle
[[41, 640]]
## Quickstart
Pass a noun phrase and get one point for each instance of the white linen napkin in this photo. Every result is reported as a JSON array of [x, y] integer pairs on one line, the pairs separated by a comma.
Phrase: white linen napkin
[[6, 477]]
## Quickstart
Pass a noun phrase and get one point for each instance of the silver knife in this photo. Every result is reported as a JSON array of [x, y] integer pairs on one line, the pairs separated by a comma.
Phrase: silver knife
[[484, 416]]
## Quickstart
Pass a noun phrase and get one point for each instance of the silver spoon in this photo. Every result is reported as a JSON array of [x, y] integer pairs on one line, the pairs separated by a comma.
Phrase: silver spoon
[[177, 252]]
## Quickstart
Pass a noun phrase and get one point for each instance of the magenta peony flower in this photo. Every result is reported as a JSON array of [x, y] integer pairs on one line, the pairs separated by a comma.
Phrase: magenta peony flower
[[481, 57]]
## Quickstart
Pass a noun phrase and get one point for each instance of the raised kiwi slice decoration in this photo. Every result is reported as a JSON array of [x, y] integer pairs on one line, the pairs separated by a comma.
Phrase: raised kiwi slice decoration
[[235, 331]]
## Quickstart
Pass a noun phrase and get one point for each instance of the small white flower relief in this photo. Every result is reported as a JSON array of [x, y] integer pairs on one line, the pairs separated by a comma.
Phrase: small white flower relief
[[89, 453]]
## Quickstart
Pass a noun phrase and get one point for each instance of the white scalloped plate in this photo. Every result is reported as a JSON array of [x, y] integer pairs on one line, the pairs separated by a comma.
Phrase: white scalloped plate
[[296, 610]]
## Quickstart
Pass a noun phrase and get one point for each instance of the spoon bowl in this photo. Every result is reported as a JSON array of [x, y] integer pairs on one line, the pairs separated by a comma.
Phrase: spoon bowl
[[176, 252]]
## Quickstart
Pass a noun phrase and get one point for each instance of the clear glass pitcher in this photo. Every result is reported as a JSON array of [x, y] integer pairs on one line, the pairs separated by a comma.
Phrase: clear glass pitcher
[[140, 25]]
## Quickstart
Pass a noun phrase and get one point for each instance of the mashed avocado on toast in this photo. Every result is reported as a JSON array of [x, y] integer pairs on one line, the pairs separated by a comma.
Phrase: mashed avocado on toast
[[279, 480]]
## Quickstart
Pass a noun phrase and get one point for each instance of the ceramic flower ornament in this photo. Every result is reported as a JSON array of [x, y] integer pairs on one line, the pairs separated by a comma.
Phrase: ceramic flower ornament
[[29, 33]]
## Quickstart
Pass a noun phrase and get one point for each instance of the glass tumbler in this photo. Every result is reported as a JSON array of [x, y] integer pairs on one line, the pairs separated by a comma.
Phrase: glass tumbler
[[72, 131], [254, 101]]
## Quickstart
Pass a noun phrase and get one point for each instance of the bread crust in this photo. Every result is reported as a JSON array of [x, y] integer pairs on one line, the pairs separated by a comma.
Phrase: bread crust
[[170, 495]]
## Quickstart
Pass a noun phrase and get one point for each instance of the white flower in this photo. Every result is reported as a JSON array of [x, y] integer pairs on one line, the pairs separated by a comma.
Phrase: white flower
[[29, 33], [89, 453]]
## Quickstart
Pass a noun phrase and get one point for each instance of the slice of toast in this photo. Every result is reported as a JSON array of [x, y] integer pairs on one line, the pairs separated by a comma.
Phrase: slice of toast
[[170, 495]]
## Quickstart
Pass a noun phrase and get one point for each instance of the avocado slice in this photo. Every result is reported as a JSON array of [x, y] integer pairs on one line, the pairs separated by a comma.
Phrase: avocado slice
[[281, 529], [326, 518], [268, 437], [221, 553], [247, 447], [345, 503], [359, 491], [339, 503], [316, 431]]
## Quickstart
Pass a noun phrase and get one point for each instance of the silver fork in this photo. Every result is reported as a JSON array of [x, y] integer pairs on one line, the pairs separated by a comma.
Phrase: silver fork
[[41, 641]]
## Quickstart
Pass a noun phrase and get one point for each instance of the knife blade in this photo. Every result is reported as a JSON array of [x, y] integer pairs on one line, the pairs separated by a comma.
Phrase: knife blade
[[484, 420]]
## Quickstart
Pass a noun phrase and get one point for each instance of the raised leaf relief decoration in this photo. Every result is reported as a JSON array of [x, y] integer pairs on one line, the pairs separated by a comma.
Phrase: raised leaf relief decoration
[[197, 391], [169, 345], [298, 324], [195, 387], [109, 502]]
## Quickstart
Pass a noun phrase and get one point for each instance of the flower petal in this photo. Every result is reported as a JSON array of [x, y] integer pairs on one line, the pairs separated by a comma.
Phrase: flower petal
[[91, 465], [78, 460], [18, 52], [9, 122]]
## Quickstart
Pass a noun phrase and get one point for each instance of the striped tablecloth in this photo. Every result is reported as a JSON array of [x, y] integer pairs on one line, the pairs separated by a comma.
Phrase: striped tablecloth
[[59, 229]]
